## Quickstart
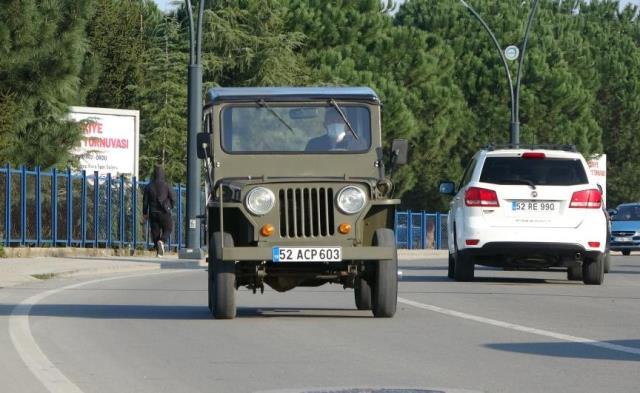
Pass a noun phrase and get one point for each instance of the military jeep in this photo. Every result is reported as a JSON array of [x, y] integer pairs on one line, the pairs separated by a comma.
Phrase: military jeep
[[297, 194]]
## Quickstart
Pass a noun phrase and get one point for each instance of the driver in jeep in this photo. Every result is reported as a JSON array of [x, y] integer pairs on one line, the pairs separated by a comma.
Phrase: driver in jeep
[[338, 135]]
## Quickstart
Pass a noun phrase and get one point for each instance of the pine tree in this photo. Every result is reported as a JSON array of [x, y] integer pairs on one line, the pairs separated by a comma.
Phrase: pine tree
[[163, 99], [44, 67]]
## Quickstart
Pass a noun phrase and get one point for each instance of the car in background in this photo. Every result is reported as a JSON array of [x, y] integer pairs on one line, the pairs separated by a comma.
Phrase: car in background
[[625, 228], [527, 207]]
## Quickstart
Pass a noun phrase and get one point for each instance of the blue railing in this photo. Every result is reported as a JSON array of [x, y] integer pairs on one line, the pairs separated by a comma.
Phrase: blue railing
[[61, 208], [421, 230]]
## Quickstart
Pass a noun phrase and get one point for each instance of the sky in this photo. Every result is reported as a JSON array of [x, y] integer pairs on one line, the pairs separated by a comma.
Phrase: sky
[[166, 4]]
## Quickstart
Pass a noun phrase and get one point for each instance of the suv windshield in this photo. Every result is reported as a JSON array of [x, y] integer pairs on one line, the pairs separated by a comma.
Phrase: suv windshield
[[627, 213], [543, 172], [278, 128]]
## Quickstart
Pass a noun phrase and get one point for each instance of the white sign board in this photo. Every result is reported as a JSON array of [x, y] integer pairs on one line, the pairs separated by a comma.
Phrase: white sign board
[[598, 169], [111, 140]]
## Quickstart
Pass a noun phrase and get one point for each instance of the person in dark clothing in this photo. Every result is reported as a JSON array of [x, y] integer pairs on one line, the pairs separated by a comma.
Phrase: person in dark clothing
[[337, 136], [157, 203]]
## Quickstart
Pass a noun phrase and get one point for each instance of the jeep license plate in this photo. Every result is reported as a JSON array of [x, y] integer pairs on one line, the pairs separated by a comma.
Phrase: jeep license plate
[[307, 254]]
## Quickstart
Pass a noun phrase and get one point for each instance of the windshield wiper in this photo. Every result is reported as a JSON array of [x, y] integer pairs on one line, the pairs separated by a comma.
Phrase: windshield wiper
[[335, 105], [518, 181], [263, 104]]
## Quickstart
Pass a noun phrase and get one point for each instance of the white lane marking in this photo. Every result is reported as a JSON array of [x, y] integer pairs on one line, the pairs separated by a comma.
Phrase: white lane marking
[[521, 328], [31, 354]]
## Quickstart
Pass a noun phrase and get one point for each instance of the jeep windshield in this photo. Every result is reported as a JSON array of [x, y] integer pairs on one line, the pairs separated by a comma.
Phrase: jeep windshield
[[542, 172], [251, 128]]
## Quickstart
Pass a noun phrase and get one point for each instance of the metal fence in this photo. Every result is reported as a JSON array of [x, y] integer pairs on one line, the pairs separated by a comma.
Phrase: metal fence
[[421, 230], [61, 208], [65, 209]]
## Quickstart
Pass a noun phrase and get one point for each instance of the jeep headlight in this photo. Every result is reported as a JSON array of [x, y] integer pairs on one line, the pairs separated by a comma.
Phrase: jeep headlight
[[260, 201], [351, 200]]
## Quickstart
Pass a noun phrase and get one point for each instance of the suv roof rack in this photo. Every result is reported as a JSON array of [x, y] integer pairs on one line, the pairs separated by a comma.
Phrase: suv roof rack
[[564, 147]]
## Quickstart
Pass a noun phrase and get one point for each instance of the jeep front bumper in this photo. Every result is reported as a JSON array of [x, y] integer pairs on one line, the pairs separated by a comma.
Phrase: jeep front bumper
[[348, 253]]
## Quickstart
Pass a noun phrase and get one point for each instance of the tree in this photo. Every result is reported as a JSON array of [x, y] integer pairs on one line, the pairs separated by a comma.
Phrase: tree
[[358, 43], [163, 99], [44, 68]]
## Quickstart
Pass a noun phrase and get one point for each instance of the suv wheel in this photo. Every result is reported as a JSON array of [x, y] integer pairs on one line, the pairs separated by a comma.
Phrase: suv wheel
[[452, 264], [385, 277], [362, 292], [593, 270], [222, 278], [574, 273], [464, 267], [626, 252], [607, 262]]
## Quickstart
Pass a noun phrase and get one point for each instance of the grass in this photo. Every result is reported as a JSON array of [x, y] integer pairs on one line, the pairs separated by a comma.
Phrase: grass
[[2, 253]]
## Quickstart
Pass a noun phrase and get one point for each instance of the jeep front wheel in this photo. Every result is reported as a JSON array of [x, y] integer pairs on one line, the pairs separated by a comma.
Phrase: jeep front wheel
[[222, 278], [385, 277], [362, 292]]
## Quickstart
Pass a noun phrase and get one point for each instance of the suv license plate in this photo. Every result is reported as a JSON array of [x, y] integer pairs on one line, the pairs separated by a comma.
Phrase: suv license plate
[[307, 254], [535, 206]]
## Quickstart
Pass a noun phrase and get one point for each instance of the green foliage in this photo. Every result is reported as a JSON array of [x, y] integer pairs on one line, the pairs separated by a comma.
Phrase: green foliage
[[43, 68], [439, 76], [246, 43], [163, 98]]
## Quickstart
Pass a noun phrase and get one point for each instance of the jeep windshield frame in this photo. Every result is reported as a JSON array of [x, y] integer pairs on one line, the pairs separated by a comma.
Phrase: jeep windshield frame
[[298, 128]]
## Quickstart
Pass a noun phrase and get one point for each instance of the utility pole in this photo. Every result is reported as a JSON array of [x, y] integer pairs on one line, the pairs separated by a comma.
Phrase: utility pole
[[513, 53], [194, 125]]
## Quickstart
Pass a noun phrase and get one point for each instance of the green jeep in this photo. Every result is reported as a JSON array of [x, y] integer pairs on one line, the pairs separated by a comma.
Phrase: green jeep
[[297, 194]]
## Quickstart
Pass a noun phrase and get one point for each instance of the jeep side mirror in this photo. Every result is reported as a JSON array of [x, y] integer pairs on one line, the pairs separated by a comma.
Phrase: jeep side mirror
[[447, 188], [399, 151], [203, 140], [612, 212]]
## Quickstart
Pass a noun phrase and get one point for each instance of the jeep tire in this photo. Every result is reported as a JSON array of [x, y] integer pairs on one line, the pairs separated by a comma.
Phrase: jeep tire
[[362, 293], [222, 278], [384, 288]]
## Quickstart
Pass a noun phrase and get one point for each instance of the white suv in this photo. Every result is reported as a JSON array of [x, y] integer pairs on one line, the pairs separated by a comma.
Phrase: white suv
[[527, 208]]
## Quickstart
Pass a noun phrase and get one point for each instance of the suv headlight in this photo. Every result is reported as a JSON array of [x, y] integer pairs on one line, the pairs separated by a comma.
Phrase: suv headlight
[[351, 199], [260, 201]]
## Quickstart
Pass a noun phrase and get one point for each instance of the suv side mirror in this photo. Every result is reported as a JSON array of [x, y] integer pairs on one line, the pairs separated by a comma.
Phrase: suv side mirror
[[203, 141], [447, 188], [399, 151]]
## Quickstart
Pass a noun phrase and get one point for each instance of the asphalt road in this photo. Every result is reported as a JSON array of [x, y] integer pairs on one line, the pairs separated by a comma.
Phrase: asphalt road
[[506, 332]]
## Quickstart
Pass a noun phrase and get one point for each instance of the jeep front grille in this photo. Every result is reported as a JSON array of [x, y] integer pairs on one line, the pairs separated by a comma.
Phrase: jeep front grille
[[306, 212]]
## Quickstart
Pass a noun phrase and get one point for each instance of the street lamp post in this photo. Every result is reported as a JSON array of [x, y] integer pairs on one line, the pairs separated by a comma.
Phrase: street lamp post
[[514, 91], [194, 124]]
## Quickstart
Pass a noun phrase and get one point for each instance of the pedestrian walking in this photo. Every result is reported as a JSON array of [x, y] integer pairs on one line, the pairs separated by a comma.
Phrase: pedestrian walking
[[157, 203]]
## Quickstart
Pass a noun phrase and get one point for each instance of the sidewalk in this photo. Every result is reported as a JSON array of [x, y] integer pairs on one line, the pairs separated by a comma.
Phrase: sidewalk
[[16, 271]]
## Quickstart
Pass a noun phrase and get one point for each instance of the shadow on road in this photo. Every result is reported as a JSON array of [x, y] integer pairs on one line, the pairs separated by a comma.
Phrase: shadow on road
[[138, 311], [275, 312], [573, 350]]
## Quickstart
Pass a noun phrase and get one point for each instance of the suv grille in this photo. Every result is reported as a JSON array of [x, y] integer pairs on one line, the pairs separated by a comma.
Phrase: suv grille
[[306, 212]]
